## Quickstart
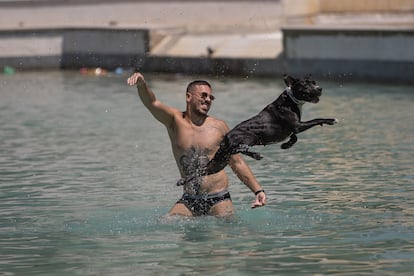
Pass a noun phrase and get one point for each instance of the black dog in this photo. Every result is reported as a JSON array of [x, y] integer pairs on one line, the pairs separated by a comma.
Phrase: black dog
[[275, 123]]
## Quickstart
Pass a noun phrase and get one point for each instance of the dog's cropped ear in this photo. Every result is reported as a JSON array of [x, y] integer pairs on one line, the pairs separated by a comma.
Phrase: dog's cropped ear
[[290, 81]]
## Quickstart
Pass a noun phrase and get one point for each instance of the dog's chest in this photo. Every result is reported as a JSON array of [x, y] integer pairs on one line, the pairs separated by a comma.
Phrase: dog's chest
[[297, 109], [286, 111]]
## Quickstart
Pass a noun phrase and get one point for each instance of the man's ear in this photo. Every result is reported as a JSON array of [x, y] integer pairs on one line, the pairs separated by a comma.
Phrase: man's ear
[[289, 80]]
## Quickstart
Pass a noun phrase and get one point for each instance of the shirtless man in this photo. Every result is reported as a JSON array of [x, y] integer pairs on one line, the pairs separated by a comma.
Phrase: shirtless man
[[195, 137]]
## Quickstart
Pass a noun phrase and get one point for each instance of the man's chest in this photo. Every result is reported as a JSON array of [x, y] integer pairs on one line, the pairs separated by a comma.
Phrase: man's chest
[[206, 139]]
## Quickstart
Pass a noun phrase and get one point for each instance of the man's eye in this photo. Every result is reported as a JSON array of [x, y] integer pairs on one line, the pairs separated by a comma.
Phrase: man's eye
[[204, 95]]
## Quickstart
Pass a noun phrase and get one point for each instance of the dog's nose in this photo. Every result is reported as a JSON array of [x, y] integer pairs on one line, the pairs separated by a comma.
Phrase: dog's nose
[[319, 89]]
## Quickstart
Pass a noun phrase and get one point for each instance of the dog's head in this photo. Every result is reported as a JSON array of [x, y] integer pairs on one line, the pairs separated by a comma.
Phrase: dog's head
[[304, 89]]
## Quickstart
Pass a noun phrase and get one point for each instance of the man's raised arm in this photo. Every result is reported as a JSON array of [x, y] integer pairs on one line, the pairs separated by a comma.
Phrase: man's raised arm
[[160, 111]]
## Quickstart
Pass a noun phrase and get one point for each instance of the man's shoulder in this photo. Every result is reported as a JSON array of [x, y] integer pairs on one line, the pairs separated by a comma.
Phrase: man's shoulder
[[217, 122], [178, 113]]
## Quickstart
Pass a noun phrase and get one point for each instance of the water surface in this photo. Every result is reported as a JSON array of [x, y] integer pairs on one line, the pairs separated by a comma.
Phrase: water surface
[[86, 176]]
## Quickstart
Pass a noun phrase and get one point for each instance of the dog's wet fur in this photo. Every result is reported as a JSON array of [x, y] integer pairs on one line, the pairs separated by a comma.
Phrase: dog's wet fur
[[275, 123]]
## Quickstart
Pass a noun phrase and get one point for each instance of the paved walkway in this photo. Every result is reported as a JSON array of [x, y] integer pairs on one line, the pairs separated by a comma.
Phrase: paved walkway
[[189, 16]]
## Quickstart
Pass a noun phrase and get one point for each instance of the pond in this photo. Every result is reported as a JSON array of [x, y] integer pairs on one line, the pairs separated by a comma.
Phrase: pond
[[87, 175]]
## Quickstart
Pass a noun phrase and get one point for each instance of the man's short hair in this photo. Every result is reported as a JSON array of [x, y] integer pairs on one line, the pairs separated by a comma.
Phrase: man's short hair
[[192, 84]]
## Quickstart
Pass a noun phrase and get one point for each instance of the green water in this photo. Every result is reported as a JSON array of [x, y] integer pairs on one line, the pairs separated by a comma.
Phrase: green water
[[86, 176]]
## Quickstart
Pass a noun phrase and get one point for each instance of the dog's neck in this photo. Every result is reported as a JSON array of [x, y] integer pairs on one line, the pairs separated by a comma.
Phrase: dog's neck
[[292, 97], [299, 103]]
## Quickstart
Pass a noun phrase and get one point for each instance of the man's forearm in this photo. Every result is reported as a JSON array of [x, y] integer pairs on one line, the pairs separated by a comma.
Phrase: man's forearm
[[146, 95], [245, 175]]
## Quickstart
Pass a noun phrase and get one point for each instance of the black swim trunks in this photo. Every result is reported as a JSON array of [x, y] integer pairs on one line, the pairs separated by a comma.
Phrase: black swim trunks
[[201, 204]]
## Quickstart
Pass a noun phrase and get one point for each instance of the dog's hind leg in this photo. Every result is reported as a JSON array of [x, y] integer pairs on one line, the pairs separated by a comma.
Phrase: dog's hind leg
[[293, 139], [254, 155], [246, 149]]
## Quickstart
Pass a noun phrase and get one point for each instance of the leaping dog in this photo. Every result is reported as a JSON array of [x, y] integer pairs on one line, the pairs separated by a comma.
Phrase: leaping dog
[[275, 123]]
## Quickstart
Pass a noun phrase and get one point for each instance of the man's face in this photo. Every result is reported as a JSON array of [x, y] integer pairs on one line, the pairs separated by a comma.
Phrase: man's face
[[200, 99]]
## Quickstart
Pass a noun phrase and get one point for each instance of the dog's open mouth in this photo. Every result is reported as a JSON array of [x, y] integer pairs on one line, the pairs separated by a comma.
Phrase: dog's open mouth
[[311, 98], [315, 96], [315, 100]]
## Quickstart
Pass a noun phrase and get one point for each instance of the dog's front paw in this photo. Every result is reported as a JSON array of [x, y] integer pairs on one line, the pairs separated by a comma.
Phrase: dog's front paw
[[332, 121], [286, 145]]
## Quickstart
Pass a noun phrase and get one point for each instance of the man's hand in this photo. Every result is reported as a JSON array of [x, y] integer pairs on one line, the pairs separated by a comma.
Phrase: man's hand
[[260, 200], [136, 78]]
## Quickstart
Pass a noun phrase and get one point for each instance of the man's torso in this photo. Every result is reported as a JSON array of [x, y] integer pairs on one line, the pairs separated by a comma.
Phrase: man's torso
[[193, 146]]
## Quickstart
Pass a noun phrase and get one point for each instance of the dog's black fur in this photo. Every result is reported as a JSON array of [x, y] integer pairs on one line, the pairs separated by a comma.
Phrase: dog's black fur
[[276, 122]]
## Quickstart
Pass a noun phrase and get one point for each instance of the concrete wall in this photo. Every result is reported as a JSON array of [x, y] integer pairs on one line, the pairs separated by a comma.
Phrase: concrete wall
[[366, 6], [300, 7], [310, 7], [300, 11], [354, 44], [362, 53], [72, 48], [305, 12]]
